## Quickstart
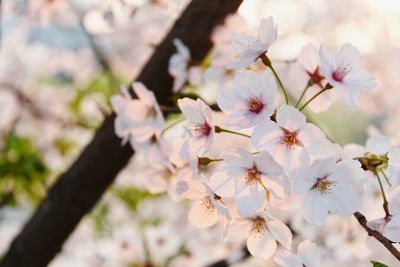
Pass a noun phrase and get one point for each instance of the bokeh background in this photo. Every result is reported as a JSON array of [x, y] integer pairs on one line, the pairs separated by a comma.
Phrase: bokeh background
[[60, 61]]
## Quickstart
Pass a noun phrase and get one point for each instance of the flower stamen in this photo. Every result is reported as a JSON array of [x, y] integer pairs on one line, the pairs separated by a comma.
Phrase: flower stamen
[[255, 104], [341, 72], [252, 176]]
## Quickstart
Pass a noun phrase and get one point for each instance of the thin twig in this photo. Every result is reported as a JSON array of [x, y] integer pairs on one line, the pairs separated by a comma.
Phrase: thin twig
[[377, 235]]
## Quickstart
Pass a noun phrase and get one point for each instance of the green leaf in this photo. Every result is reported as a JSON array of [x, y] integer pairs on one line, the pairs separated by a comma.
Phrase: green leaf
[[378, 264], [23, 172], [132, 196]]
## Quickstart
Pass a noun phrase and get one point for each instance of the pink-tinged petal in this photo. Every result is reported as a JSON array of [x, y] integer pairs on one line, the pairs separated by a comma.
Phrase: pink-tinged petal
[[267, 135], [206, 110], [267, 31], [290, 118], [349, 54], [118, 103], [241, 41], [248, 83], [268, 89], [191, 189], [181, 48], [285, 258], [280, 232], [278, 186], [191, 110], [360, 79], [314, 208], [304, 181], [250, 201], [238, 229], [309, 57], [310, 134], [328, 62], [267, 165], [348, 171], [392, 230], [225, 185], [144, 94], [239, 158], [229, 101], [342, 200], [261, 245], [322, 167], [309, 254], [203, 214], [378, 144], [394, 200]]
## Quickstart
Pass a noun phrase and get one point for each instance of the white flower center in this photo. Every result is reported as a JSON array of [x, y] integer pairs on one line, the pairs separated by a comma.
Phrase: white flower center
[[255, 104], [341, 72]]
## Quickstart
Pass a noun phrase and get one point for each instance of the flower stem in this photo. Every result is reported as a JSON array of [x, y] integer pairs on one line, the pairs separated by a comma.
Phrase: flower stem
[[206, 161], [327, 87], [309, 84], [385, 202], [221, 130], [267, 62], [172, 125], [386, 178]]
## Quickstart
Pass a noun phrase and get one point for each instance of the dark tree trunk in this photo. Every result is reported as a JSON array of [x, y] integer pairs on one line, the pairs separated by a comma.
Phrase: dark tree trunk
[[79, 188]]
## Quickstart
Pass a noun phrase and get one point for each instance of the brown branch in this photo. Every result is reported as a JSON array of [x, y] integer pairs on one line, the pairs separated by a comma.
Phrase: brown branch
[[80, 187], [377, 235]]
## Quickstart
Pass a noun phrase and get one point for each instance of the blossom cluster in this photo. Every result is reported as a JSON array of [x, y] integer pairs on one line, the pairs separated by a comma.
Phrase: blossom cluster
[[252, 160]]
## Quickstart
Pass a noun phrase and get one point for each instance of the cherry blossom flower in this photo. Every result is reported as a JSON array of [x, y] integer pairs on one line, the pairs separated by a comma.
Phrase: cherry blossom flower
[[290, 140], [139, 119], [184, 161], [307, 255], [160, 178], [201, 128], [208, 208], [329, 187], [251, 100], [262, 232], [247, 177], [307, 72], [250, 47], [179, 67], [343, 71]]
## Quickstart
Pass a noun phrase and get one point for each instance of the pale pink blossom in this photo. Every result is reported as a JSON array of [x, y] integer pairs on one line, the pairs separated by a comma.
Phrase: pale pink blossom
[[343, 71], [307, 71], [247, 178], [262, 232], [307, 255], [201, 128], [207, 208], [251, 100], [180, 69], [137, 119], [290, 140], [329, 186], [251, 48]]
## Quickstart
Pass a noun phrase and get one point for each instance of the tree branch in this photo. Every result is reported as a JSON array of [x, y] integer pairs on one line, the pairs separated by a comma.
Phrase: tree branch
[[377, 235], [80, 187]]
